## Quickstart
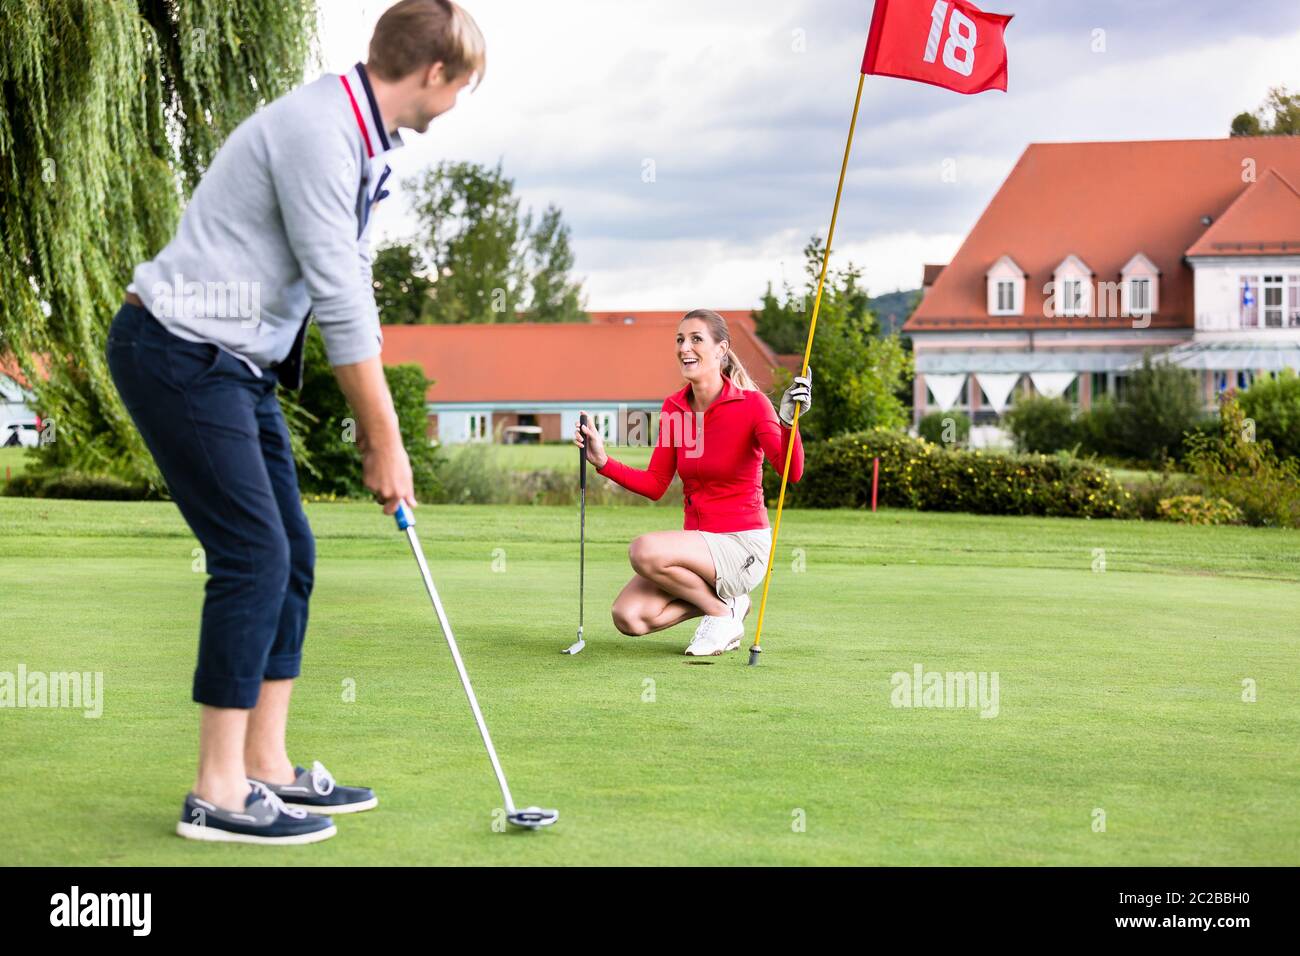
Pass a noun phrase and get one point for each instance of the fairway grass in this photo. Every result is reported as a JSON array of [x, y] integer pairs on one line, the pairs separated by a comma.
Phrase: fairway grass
[[552, 456], [1120, 693]]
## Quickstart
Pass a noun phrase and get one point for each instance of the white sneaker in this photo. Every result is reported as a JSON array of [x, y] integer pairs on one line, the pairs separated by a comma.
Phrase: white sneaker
[[717, 635]]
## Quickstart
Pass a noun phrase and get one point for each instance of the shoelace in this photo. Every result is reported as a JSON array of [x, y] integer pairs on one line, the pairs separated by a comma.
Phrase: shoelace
[[705, 630], [274, 802], [322, 781]]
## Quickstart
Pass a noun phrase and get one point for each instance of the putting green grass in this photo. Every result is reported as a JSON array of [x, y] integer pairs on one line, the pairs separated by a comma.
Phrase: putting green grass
[[1120, 691]]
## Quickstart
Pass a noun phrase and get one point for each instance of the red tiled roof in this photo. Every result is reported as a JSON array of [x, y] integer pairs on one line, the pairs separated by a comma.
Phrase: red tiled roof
[[733, 317], [1103, 202], [9, 368], [548, 362], [930, 273], [1264, 219]]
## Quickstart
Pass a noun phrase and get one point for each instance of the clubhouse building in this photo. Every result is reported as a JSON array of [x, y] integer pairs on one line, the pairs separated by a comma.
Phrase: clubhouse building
[[1092, 255]]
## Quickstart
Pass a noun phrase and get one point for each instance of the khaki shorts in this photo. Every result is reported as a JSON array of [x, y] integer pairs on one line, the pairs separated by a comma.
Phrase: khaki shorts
[[740, 560]]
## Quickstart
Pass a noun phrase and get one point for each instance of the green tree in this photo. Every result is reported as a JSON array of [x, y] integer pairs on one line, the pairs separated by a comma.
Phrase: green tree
[[1278, 116], [472, 226], [856, 374], [554, 296], [1159, 406], [402, 291], [1041, 425], [782, 321], [489, 261], [110, 110]]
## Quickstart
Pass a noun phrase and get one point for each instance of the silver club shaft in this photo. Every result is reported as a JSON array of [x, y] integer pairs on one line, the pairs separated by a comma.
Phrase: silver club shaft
[[460, 668]]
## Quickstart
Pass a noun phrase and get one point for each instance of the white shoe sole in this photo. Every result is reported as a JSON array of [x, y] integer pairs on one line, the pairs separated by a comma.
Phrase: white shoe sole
[[192, 831], [332, 811], [732, 645]]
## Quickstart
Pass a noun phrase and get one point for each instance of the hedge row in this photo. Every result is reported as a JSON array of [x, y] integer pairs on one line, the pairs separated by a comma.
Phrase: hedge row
[[71, 484], [916, 474]]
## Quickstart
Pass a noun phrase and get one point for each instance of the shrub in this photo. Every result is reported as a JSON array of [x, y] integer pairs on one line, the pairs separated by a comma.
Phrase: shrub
[[470, 475], [1195, 509], [1041, 425], [1274, 405], [72, 484], [917, 474], [1143, 496], [1160, 405], [1247, 473], [1095, 429], [947, 429]]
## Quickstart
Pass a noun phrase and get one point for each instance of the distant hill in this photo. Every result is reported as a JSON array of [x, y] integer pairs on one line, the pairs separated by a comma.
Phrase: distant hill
[[893, 308]]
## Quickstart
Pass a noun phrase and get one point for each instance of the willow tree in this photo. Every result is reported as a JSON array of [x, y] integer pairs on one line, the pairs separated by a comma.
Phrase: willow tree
[[110, 110]]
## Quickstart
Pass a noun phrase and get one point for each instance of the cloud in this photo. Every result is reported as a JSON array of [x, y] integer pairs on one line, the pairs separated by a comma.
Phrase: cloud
[[743, 108]]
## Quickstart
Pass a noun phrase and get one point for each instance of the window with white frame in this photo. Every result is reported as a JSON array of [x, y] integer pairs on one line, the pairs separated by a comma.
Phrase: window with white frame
[[1139, 286], [603, 422], [1006, 288], [1249, 302], [1006, 295], [1269, 301], [1072, 287], [1070, 299], [1274, 289], [478, 426], [1139, 296]]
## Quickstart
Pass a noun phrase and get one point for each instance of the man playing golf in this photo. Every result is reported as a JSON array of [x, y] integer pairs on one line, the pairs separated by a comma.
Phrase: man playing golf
[[714, 433], [277, 228]]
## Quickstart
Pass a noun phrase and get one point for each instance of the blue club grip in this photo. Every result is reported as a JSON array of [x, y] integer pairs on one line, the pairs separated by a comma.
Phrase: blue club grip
[[404, 517]]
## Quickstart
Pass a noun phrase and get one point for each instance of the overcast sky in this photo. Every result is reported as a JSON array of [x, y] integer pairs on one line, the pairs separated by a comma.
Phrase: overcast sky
[[743, 106]]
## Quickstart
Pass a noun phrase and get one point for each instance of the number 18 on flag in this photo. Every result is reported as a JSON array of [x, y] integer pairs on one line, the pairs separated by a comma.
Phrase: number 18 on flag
[[948, 43]]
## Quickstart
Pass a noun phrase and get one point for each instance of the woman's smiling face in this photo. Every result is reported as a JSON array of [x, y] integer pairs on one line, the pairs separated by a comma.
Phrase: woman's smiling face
[[698, 356]]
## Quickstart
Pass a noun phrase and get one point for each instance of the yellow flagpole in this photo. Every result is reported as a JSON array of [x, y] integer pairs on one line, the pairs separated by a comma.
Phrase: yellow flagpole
[[807, 354]]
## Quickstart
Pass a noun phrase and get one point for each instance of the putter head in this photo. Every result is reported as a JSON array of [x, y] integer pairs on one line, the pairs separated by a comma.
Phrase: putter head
[[533, 818], [576, 646]]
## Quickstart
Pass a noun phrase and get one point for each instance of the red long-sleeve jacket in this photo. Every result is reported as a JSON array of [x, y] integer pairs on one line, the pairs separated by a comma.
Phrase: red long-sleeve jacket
[[719, 456]]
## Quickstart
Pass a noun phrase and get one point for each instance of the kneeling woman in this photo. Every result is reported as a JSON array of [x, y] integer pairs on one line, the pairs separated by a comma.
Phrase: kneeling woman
[[714, 433]]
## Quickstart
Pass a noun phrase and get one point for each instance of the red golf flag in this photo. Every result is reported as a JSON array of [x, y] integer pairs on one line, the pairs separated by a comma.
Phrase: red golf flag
[[948, 43]]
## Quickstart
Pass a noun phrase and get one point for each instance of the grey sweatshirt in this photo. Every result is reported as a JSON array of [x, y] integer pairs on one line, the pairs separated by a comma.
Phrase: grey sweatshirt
[[277, 227]]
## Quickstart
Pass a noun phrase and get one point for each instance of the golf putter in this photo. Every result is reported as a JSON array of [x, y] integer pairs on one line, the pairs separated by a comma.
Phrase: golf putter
[[530, 818], [579, 644]]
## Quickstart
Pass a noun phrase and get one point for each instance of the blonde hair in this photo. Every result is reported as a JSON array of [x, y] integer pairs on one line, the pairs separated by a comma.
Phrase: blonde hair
[[731, 366], [415, 34]]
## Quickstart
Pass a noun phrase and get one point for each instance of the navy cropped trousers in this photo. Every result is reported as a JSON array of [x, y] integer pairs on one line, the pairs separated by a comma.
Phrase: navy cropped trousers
[[219, 438]]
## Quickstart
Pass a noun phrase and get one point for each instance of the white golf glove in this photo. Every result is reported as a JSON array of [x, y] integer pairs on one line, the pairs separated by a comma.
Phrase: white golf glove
[[800, 393]]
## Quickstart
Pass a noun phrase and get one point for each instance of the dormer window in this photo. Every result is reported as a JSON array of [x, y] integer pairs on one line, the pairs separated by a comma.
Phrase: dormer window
[[1139, 288], [1006, 288], [1072, 283]]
